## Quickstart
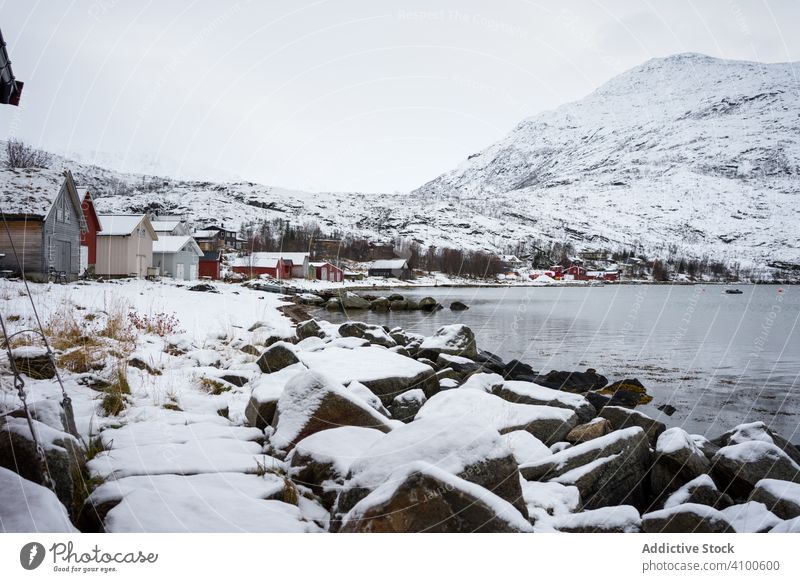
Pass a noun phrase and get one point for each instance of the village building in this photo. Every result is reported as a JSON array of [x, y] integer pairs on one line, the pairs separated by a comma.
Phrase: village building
[[258, 264], [393, 268], [210, 264], [177, 257], [225, 239], [210, 239], [325, 271], [170, 226], [575, 273], [125, 245], [511, 262], [326, 249], [44, 219], [88, 251]]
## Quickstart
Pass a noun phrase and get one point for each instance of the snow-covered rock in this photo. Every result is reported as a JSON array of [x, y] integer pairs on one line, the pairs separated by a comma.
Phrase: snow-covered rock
[[702, 490], [781, 497], [312, 402], [421, 497], [27, 507], [546, 423], [618, 519], [687, 518], [751, 517]]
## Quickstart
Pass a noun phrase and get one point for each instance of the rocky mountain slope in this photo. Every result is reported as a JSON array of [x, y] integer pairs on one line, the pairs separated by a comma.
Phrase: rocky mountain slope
[[690, 151], [687, 155]]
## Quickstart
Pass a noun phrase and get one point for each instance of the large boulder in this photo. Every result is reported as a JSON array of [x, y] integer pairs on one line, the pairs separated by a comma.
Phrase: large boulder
[[546, 423], [757, 431], [516, 370], [312, 402], [263, 402], [700, 490], [64, 457], [350, 300], [374, 334], [421, 497], [686, 518], [384, 372], [530, 393], [619, 519], [276, 357], [406, 406], [455, 339], [27, 507], [464, 447], [628, 392], [368, 396], [321, 461], [379, 304], [678, 460], [620, 418], [737, 468], [781, 497], [458, 306], [572, 381], [591, 430], [307, 329], [609, 470], [751, 517]]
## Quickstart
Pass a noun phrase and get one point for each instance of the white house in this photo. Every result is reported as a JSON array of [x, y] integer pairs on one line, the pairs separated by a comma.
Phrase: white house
[[177, 257], [125, 245]]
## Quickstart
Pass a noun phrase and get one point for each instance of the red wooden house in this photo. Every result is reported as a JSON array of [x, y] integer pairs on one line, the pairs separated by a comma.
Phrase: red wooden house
[[324, 271], [254, 266], [210, 263], [89, 236], [576, 273]]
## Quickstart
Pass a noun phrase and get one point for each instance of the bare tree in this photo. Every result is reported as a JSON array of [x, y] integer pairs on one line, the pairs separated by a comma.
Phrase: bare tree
[[21, 155]]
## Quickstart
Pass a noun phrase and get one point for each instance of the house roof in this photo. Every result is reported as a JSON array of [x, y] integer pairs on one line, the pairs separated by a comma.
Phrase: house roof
[[123, 224], [205, 233], [32, 192], [174, 244], [389, 264], [256, 262], [322, 264], [295, 258], [164, 225]]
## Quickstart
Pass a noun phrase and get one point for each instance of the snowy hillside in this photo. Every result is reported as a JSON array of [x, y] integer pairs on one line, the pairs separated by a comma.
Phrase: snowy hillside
[[687, 150], [688, 154]]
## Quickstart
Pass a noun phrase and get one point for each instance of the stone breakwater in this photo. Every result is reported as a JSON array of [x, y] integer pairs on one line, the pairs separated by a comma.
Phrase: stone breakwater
[[360, 428]]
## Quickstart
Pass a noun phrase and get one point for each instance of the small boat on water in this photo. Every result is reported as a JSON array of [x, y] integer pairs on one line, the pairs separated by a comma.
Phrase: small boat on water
[[733, 291]]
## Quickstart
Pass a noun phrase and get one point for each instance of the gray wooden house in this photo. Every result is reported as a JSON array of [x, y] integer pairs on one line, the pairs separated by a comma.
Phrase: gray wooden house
[[42, 212], [177, 257], [396, 268]]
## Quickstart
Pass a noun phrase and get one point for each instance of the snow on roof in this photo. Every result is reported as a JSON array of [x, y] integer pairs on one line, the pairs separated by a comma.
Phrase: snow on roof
[[29, 192], [119, 224], [174, 244], [295, 258], [322, 264], [389, 264], [205, 233], [255, 262], [164, 225]]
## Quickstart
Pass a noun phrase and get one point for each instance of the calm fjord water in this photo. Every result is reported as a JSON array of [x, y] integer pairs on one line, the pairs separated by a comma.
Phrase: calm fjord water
[[719, 359]]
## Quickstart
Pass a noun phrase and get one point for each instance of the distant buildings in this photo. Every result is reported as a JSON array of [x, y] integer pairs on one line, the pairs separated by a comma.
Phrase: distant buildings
[[125, 245], [395, 268]]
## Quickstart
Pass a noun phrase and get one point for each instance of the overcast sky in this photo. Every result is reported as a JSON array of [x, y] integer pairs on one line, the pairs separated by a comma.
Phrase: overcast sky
[[338, 95]]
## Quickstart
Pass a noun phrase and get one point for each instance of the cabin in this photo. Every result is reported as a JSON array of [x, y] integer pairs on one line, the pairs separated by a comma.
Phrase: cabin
[[576, 273], [88, 251], [393, 268], [297, 264], [258, 264], [210, 239], [511, 262], [605, 275], [210, 264], [229, 239], [325, 271], [42, 210], [125, 245], [177, 257]]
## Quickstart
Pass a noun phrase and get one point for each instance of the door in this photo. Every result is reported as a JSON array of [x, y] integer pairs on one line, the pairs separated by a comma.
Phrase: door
[[179, 271], [63, 256], [141, 265], [192, 272]]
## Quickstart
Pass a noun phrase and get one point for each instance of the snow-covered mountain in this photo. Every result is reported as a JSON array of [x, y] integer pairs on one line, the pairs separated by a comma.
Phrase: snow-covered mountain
[[687, 154], [688, 151]]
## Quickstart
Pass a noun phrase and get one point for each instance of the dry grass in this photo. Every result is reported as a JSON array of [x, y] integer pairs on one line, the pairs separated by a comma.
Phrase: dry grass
[[212, 386], [115, 399], [117, 326]]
